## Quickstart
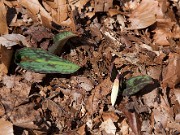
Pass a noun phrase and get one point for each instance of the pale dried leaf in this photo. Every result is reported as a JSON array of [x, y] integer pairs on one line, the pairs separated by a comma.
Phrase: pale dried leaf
[[10, 40]]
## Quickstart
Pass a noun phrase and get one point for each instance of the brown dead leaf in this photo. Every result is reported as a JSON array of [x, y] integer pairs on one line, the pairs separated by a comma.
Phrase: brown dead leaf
[[33, 77], [81, 130], [110, 115], [144, 15], [14, 92], [174, 125], [177, 94], [163, 113], [84, 83], [100, 91], [3, 24], [58, 10], [2, 109], [78, 4], [56, 109], [103, 5], [172, 76], [147, 128], [25, 116], [124, 127], [163, 33], [150, 97], [6, 127], [35, 8], [5, 60], [133, 120]]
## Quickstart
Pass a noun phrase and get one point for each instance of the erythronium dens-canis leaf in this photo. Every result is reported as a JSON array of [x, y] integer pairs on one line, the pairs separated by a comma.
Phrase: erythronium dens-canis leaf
[[135, 84], [60, 40], [41, 61]]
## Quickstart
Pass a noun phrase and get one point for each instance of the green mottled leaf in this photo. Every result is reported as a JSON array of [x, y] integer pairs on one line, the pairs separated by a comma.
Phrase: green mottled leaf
[[41, 61], [135, 84], [60, 40]]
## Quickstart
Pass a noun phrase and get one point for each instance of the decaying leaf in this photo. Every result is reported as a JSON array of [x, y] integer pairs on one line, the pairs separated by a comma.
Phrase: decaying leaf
[[41, 61], [60, 40], [135, 84]]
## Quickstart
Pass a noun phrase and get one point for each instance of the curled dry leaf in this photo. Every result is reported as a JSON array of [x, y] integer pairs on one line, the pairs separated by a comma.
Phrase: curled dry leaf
[[172, 76], [6, 127], [144, 15]]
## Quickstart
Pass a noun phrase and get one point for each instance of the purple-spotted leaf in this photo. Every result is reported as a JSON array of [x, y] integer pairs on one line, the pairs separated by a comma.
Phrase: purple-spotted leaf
[[135, 84], [60, 40], [41, 61]]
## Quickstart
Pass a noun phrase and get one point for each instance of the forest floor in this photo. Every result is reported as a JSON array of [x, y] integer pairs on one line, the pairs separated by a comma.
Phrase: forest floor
[[129, 37]]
